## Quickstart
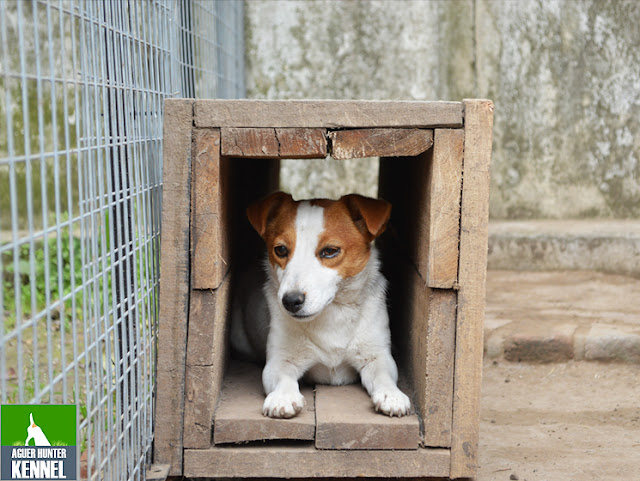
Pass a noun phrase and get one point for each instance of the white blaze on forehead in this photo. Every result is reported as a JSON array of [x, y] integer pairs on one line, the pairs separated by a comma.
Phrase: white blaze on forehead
[[304, 271], [309, 223]]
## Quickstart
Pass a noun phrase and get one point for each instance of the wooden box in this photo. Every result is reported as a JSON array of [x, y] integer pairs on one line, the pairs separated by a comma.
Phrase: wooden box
[[219, 155]]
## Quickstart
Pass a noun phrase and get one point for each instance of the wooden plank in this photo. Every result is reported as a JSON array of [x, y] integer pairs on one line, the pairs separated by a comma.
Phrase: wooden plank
[[209, 210], [346, 419], [206, 356], [332, 114], [432, 319], [261, 143], [302, 143], [308, 462], [157, 472], [471, 278], [425, 193], [174, 285], [359, 143], [207, 326], [437, 256], [289, 143], [438, 371], [239, 419], [423, 324], [200, 397]]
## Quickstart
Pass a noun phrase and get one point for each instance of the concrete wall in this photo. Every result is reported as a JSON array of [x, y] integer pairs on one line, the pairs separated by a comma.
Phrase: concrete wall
[[564, 75]]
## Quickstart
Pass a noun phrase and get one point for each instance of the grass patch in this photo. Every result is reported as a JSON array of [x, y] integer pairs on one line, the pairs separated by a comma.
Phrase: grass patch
[[34, 277]]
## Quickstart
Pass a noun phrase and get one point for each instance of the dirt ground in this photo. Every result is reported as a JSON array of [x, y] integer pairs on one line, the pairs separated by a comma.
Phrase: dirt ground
[[577, 421]]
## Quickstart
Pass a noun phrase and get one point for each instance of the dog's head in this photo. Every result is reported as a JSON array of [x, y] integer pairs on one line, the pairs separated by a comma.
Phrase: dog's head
[[314, 245]]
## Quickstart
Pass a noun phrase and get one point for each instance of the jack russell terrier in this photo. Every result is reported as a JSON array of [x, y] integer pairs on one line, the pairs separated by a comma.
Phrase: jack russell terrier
[[324, 304]]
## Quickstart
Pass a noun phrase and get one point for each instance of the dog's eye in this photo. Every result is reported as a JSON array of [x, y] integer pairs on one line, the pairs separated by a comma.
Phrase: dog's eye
[[281, 251], [329, 252]]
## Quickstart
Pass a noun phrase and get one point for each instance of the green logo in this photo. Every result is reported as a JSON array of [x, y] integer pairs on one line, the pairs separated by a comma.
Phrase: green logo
[[38, 442]]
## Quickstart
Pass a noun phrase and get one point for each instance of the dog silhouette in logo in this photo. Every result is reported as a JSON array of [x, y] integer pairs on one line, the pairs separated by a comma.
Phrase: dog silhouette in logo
[[35, 433]]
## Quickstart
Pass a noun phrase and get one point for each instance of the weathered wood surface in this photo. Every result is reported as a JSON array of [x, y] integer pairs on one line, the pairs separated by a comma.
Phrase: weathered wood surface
[[346, 419], [206, 356], [289, 143], [174, 285], [326, 113], [471, 278], [207, 326], [209, 210], [239, 419], [432, 318], [359, 143], [308, 462], [157, 472], [440, 237], [425, 193]]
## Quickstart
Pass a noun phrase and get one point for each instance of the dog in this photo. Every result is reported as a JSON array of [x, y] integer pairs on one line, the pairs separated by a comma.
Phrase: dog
[[323, 304], [35, 432]]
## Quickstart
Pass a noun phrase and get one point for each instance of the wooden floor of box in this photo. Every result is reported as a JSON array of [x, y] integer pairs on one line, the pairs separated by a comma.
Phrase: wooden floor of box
[[239, 419], [305, 461], [346, 419], [337, 417]]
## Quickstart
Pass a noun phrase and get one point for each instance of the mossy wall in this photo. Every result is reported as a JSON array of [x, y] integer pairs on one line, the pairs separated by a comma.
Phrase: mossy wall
[[564, 76]]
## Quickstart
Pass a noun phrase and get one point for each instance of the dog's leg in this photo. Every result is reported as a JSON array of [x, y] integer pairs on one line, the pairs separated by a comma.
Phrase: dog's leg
[[280, 381], [379, 377]]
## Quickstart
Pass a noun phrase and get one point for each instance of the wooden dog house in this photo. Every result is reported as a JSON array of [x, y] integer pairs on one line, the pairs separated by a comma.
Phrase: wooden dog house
[[434, 168]]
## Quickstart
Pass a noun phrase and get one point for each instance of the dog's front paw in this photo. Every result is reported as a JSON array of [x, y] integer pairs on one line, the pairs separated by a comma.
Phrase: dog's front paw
[[392, 402], [280, 404]]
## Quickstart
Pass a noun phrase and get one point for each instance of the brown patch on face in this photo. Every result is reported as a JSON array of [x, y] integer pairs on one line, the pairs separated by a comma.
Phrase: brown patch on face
[[274, 219], [340, 231], [281, 231]]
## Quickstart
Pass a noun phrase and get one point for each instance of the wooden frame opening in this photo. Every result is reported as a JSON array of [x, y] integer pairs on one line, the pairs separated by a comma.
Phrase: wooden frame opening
[[220, 156]]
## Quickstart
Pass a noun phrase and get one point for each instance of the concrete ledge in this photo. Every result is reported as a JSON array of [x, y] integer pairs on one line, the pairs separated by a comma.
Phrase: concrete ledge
[[611, 246], [601, 343], [541, 317]]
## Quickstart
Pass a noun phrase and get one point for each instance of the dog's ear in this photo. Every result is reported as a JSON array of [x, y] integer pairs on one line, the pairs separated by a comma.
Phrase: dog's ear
[[370, 215], [262, 210]]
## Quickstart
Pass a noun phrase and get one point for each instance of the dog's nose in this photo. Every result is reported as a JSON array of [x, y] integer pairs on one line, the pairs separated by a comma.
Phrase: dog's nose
[[293, 301]]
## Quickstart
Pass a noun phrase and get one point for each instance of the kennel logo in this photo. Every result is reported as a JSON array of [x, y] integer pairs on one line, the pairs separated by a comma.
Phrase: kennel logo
[[38, 442]]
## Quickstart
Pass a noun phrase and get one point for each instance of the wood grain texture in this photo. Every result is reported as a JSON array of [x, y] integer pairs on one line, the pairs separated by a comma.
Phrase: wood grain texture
[[326, 113], [292, 143], [471, 278], [346, 419], [359, 143], [206, 356], [302, 143], [255, 142], [432, 320], [208, 326], [308, 462], [439, 263], [239, 419], [200, 399], [425, 193], [174, 284], [209, 211], [157, 472]]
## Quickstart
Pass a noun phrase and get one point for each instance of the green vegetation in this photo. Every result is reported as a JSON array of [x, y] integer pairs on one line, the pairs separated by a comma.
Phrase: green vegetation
[[32, 286]]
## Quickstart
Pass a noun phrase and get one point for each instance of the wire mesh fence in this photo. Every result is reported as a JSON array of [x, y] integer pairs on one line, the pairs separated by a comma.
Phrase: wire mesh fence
[[82, 85]]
